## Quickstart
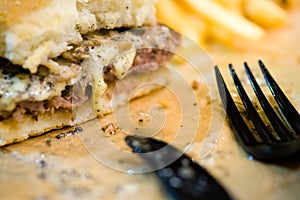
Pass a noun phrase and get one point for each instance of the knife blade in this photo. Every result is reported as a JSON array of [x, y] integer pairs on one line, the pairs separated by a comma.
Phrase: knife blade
[[181, 177]]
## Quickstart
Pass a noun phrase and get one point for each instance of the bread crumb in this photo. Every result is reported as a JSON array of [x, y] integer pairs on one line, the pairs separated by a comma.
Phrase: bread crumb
[[195, 85], [109, 130]]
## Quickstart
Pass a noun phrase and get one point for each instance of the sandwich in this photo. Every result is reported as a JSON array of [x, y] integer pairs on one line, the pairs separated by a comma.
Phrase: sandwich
[[57, 58]]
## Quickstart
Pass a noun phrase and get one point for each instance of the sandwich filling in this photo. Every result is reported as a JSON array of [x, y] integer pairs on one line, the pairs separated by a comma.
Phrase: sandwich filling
[[86, 70]]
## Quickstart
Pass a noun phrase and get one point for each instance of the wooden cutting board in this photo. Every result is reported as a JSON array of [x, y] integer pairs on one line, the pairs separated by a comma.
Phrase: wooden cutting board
[[76, 164]]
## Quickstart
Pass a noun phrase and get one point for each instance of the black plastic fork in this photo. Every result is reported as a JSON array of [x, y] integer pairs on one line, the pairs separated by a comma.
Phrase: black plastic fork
[[262, 143]]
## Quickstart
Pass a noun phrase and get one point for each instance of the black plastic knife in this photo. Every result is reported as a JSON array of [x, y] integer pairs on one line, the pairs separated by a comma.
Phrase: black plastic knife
[[181, 177]]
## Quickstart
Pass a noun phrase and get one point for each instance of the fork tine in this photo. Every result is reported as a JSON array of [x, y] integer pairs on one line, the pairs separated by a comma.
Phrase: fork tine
[[278, 125], [258, 123], [291, 114], [241, 129]]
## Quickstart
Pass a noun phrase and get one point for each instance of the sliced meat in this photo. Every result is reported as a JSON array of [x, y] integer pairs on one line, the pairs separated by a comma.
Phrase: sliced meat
[[151, 47]]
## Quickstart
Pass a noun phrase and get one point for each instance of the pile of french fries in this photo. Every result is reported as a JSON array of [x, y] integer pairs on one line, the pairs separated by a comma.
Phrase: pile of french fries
[[222, 20]]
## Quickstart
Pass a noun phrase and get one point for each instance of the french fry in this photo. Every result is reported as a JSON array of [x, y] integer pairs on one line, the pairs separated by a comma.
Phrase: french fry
[[265, 13], [285, 3], [232, 5], [232, 22], [180, 21], [219, 34], [222, 20]]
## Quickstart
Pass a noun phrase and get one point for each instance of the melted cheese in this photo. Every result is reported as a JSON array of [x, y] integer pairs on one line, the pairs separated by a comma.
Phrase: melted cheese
[[118, 51], [103, 55], [24, 88]]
